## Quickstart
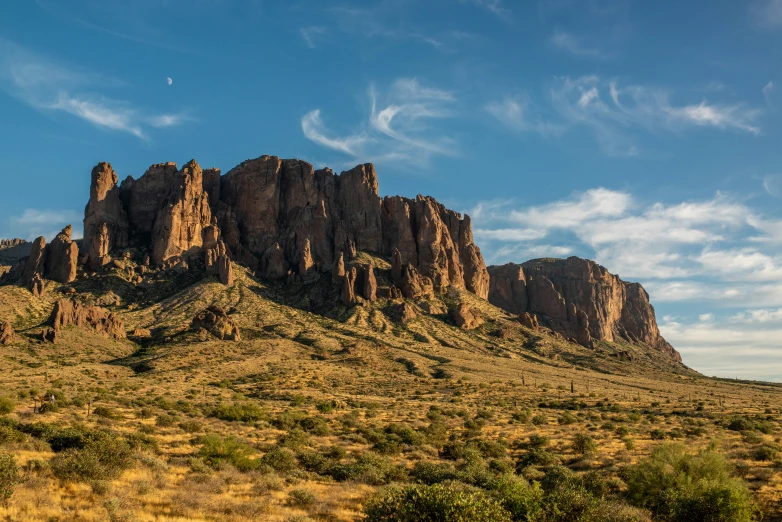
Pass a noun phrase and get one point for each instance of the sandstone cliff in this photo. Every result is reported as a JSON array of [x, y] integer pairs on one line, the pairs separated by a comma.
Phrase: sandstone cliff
[[281, 218], [579, 299]]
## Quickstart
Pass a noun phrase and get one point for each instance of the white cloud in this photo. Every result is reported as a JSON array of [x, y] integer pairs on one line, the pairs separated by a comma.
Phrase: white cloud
[[401, 125], [315, 130], [573, 45], [717, 251], [33, 223], [495, 7], [747, 345], [310, 35], [767, 90], [615, 114], [766, 13], [50, 86]]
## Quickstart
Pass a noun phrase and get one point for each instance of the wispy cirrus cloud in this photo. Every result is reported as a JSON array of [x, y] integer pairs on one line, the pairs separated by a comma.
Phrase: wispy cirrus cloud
[[766, 13], [616, 114], [50, 86], [401, 125], [495, 7], [576, 46], [311, 34]]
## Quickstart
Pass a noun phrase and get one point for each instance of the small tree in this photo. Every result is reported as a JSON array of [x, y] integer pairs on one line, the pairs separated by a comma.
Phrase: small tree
[[583, 444], [9, 477]]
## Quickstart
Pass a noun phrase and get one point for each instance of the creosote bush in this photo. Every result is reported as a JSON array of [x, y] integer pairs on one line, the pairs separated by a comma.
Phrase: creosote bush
[[436, 503], [678, 487], [9, 477]]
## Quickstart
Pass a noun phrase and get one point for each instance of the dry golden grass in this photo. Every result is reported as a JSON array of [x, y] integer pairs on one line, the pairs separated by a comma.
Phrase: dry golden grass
[[359, 370]]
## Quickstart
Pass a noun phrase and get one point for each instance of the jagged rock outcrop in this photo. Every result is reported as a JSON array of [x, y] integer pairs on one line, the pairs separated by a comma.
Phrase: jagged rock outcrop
[[105, 221], [61, 257], [465, 318], [349, 287], [216, 321], [369, 290], [70, 313], [6, 333], [10, 243], [37, 285], [279, 216], [338, 270], [529, 320], [578, 299], [34, 265]]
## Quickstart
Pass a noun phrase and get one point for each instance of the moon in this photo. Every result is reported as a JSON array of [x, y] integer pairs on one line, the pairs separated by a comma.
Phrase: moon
[[169, 80]]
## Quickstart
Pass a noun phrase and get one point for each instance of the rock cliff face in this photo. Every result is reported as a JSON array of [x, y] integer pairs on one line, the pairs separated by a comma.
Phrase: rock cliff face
[[281, 218], [57, 261], [579, 299]]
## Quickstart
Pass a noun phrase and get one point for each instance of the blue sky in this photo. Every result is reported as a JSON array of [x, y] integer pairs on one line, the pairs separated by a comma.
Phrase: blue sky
[[644, 135]]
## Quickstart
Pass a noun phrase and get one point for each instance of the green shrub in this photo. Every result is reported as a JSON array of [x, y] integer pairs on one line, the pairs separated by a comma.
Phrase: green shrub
[[583, 444], [216, 449], [317, 426], [765, 453], [539, 420], [280, 459], [301, 498], [106, 413], [104, 456], [432, 473], [567, 418], [536, 457], [657, 434], [740, 424], [191, 426], [242, 412], [679, 487], [522, 500], [369, 468], [7, 405], [165, 420], [434, 503], [9, 477]]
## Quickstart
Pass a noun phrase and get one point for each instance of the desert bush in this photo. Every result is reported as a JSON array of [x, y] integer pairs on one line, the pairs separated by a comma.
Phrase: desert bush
[[106, 413], [657, 434], [7, 405], [317, 426], [436, 503], [280, 459], [103, 456], [522, 500], [239, 411], [301, 498], [165, 421], [567, 418], [191, 426], [539, 420], [739, 424], [536, 457], [369, 469], [216, 449], [583, 444], [428, 472], [765, 453], [9, 477], [677, 487]]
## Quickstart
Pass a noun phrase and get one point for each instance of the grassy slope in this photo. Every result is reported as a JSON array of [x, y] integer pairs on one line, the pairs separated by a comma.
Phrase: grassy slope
[[291, 360]]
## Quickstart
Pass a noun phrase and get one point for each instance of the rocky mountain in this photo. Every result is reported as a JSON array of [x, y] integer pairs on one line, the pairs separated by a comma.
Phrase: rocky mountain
[[286, 221], [282, 219], [578, 299]]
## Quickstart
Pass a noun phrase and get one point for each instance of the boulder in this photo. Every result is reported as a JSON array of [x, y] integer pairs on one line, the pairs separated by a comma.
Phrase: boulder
[[465, 318], [529, 320], [71, 313], [216, 321], [37, 285], [6, 333], [49, 335], [404, 312]]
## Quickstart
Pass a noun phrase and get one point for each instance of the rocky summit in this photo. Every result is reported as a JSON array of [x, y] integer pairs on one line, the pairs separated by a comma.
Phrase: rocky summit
[[335, 240], [578, 299]]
